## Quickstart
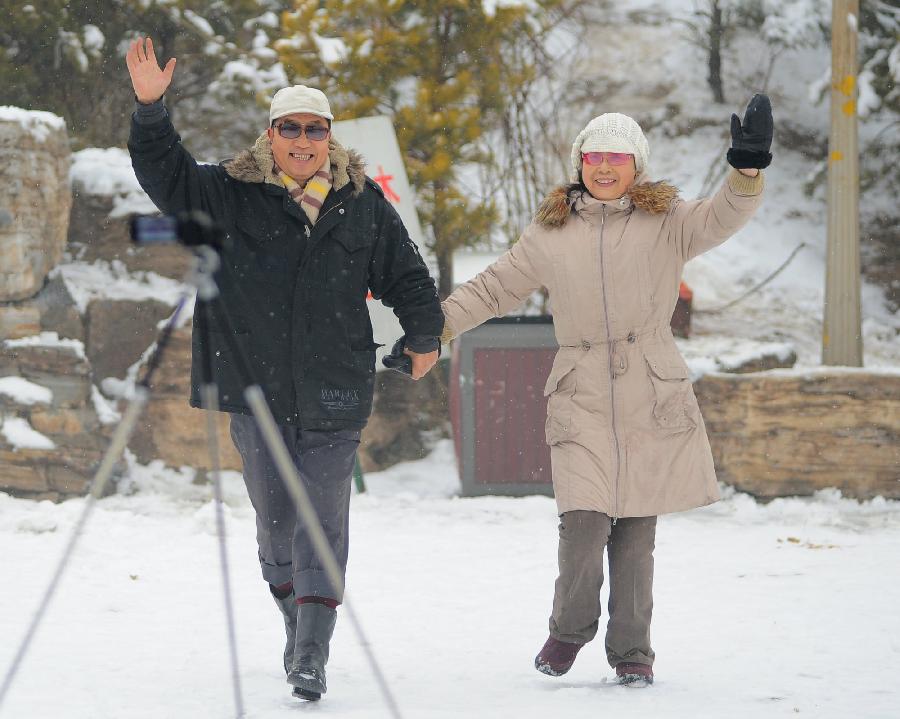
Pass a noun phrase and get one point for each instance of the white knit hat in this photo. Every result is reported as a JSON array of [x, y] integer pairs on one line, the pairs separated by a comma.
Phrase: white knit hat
[[612, 132], [299, 98]]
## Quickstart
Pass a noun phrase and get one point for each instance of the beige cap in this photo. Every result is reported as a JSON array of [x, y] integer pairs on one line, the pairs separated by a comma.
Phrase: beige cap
[[612, 132], [299, 98]]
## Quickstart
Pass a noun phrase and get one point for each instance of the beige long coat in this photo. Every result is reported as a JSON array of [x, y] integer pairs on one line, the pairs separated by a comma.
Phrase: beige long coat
[[625, 432]]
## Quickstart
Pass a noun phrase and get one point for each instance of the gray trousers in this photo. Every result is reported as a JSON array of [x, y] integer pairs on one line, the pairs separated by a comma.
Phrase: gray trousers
[[325, 461], [629, 546]]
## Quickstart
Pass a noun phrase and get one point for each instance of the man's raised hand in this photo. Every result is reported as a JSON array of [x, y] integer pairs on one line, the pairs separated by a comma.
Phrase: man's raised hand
[[150, 83]]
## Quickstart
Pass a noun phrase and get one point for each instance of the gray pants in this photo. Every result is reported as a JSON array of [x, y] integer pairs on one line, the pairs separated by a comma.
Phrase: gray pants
[[325, 461], [576, 602]]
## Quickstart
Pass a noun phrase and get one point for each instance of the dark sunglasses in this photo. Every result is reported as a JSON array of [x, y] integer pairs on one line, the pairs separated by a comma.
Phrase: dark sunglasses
[[292, 130]]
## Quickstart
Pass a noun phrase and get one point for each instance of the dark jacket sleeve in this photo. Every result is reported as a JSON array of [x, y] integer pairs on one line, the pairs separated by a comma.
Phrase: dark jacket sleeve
[[167, 172], [398, 275]]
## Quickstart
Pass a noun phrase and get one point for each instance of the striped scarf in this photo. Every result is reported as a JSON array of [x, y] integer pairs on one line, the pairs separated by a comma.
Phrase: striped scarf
[[311, 197]]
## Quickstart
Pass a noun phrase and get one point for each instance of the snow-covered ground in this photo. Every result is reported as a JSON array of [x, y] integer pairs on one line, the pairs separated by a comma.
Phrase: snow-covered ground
[[779, 610], [762, 610]]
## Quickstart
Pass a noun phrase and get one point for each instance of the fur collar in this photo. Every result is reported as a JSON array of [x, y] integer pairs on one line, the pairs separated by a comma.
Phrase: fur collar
[[256, 163], [652, 197]]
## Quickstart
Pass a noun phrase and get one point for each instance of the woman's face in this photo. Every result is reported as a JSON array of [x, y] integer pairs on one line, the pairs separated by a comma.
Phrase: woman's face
[[607, 181]]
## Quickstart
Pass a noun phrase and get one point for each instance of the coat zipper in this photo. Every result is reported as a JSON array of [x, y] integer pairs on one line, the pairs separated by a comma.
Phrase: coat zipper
[[303, 262], [610, 351], [333, 207]]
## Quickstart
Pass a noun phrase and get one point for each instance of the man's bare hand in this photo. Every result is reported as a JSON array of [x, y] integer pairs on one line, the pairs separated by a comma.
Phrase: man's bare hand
[[421, 363], [150, 83]]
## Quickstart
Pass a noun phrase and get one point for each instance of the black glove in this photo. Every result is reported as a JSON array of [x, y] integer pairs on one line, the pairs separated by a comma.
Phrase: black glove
[[751, 140], [400, 362]]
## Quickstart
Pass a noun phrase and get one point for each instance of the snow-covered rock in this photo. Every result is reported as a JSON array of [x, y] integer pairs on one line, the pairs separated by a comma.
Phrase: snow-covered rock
[[34, 191]]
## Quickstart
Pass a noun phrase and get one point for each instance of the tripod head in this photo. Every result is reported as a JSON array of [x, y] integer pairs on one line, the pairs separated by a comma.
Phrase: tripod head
[[191, 229]]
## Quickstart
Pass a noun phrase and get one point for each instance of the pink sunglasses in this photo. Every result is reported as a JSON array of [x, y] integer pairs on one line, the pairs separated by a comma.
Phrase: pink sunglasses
[[613, 158]]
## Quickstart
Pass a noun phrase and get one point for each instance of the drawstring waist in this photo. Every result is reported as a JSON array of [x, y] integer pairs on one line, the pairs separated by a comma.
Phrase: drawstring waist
[[630, 338], [619, 359]]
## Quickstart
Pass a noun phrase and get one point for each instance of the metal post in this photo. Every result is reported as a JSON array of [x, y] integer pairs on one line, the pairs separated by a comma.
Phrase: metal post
[[358, 478], [842, 330]]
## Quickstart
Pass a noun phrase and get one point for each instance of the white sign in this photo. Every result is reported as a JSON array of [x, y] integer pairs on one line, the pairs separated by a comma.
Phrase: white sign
[[375, 140]]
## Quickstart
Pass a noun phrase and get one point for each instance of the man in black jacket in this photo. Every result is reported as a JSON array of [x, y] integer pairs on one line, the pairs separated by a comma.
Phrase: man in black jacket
[[307, 235]]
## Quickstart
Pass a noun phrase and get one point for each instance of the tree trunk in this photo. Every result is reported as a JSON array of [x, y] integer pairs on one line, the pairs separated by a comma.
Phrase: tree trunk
[[445, 269], [716, 30]]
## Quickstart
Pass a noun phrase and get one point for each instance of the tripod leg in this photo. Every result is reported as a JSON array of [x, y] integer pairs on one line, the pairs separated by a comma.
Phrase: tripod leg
[[291, 477], [98, 486], [210, 401]]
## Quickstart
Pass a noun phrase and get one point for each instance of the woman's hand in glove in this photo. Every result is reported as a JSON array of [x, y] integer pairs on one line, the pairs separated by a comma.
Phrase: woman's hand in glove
[[752, 138]]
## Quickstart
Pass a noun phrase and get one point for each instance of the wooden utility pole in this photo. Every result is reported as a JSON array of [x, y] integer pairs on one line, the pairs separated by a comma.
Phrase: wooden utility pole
[[842, 332]]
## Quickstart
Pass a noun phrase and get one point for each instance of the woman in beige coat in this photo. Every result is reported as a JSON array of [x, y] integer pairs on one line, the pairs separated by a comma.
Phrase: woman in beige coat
[[627, 441]]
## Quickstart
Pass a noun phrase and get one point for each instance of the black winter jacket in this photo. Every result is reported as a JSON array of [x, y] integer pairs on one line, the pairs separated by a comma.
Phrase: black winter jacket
[[296, 293]]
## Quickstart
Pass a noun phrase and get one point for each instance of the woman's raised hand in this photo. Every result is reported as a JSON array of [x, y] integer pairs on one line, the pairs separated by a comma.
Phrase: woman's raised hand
[[150, 83], [751, 139]]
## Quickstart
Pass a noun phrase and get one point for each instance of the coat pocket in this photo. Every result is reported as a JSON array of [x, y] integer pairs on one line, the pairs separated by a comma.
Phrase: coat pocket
[[559, 376], [347, 265], [559, 428], [265, 250], [672, 399]]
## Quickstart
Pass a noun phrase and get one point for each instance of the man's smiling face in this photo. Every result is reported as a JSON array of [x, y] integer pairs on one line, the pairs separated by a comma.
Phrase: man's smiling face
[[299, 157]]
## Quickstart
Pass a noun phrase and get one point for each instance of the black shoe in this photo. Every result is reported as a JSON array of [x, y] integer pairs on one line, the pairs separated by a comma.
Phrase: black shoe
[[308, 695], [315, 625]]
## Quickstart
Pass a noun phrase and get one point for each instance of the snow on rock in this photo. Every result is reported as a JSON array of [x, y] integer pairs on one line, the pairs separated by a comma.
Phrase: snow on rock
[[726, 354], [24, 392], [822, 370], [48, 339], [37, 123], [22, 435], [112, 280], [106, 411], [108, 171]]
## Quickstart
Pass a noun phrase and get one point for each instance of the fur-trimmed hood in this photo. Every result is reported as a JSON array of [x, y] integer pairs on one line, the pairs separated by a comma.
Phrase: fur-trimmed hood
[[256, 164], [653, 197]]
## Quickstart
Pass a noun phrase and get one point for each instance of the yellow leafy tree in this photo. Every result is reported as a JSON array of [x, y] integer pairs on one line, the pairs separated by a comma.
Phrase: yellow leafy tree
[[440, 68]]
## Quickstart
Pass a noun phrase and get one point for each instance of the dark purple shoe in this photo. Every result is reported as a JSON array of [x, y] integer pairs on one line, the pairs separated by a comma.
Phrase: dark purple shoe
[[556, 657], [631, 674]]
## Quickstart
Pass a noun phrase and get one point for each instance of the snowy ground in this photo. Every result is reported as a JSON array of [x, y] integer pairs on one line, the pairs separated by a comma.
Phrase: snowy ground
[[785, 609]]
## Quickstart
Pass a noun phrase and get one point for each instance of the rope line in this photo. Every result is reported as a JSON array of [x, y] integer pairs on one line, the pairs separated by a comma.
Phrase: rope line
[[752, 290]]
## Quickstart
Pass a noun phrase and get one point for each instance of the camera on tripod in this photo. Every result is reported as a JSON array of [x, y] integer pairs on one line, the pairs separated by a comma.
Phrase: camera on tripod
[[191, 229]]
